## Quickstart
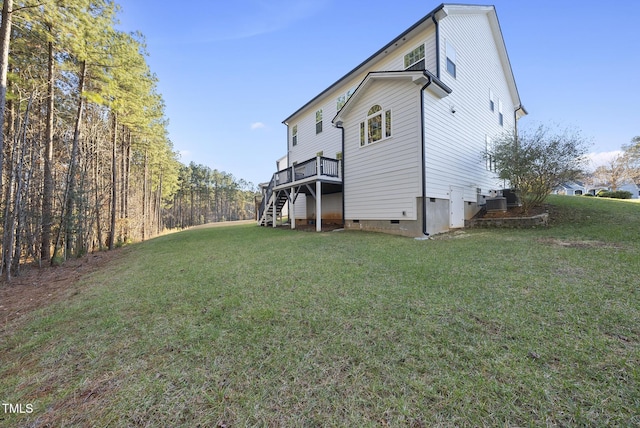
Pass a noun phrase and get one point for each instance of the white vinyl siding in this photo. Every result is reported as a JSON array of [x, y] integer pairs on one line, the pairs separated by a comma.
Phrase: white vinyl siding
[[455, 142], [330, 139], [300, 206], [395, 61], [310, 142], [382, 180]]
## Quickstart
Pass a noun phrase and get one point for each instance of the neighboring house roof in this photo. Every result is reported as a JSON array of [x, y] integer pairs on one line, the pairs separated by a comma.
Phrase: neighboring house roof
[[630, 185], [572, 185], [436, 14]]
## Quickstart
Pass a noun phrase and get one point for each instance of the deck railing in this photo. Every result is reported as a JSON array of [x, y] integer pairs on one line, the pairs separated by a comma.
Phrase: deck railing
[[329, 167], [305, 169], [318, 166], [267, 196], [309, 168]]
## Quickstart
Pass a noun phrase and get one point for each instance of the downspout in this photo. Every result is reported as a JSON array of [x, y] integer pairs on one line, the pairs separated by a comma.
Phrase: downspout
[[339, 126], [423, 129], [289, 204], [288, 146], [424, 160], [435, 21]]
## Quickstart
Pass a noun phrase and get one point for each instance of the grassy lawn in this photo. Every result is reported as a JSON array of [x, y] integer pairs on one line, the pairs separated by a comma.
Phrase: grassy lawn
[[249, 326]]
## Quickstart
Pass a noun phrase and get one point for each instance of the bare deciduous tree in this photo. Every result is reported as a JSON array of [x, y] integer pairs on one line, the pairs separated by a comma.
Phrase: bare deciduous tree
[[535, 163]]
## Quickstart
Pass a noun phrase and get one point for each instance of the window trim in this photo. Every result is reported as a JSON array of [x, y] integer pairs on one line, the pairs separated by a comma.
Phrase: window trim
[[342, 99], [386, 125], [417, 48], [318, 122], [450, 53], [294, 135]]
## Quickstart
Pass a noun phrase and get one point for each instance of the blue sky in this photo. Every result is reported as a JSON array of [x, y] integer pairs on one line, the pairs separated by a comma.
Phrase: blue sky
[[231, 71]]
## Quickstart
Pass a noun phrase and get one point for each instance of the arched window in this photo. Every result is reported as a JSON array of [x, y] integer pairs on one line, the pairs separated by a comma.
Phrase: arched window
[[373, 110], [376, 127]]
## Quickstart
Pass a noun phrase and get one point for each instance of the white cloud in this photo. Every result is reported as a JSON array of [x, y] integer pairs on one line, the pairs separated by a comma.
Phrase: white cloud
[[257, 125], [184, 154], [602, 158], [249, 18]]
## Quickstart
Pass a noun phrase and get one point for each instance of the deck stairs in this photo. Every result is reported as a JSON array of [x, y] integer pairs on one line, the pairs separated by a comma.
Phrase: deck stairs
[[271, 198], [286, 184], [279, 199]]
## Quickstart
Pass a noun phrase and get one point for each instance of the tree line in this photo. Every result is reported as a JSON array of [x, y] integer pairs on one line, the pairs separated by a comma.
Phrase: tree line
[[205, 196], [85, 159], [623, 168]]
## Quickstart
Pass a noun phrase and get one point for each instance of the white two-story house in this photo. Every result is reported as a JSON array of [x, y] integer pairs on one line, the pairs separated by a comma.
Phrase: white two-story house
[[396, 145]]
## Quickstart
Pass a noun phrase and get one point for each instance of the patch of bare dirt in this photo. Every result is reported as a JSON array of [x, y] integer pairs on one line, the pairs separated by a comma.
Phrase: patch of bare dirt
[[37, 287], [305, 227], [570, 243]]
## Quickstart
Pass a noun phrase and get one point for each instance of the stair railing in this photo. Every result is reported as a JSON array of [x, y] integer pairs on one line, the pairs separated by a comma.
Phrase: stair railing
[[267, 196]]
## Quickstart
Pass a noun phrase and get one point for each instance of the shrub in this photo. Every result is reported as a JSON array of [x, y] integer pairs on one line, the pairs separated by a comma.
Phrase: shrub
[[536, 163], [618, 194]]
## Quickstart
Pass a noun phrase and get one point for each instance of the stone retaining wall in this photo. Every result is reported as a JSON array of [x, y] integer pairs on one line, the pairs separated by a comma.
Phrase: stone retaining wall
[[540, 220]]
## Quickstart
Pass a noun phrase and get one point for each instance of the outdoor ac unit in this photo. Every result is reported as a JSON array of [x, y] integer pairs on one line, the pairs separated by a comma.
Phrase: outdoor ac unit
[[496, 204], [512, 198]]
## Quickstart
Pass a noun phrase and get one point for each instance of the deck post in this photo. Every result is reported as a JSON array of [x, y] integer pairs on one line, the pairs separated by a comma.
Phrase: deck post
[[318, 206], [292, 211], [275, 198]]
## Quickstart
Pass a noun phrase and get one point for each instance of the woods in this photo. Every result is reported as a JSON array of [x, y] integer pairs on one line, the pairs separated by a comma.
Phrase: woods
[[86, 163]]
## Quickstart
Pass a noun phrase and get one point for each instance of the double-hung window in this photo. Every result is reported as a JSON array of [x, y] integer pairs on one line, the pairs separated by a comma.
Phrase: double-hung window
[[342, 99], [376, 127], [319, 121], [294, 135], [451, 59], [414, 60]]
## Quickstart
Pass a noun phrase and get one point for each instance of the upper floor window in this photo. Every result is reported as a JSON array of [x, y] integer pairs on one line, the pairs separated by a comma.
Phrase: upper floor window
[[451, 59], [294, 135], [492, 105], [342, 99], [500, 116], [376, 127], [319, 121], [414, 60]]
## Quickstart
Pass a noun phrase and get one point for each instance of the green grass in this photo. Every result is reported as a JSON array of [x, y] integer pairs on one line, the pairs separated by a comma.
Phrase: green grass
[[249, 326]]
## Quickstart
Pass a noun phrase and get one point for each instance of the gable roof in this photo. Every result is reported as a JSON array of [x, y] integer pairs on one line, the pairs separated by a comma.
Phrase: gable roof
[[572, 185], [436, 14], [389, 47], [421, 78]]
